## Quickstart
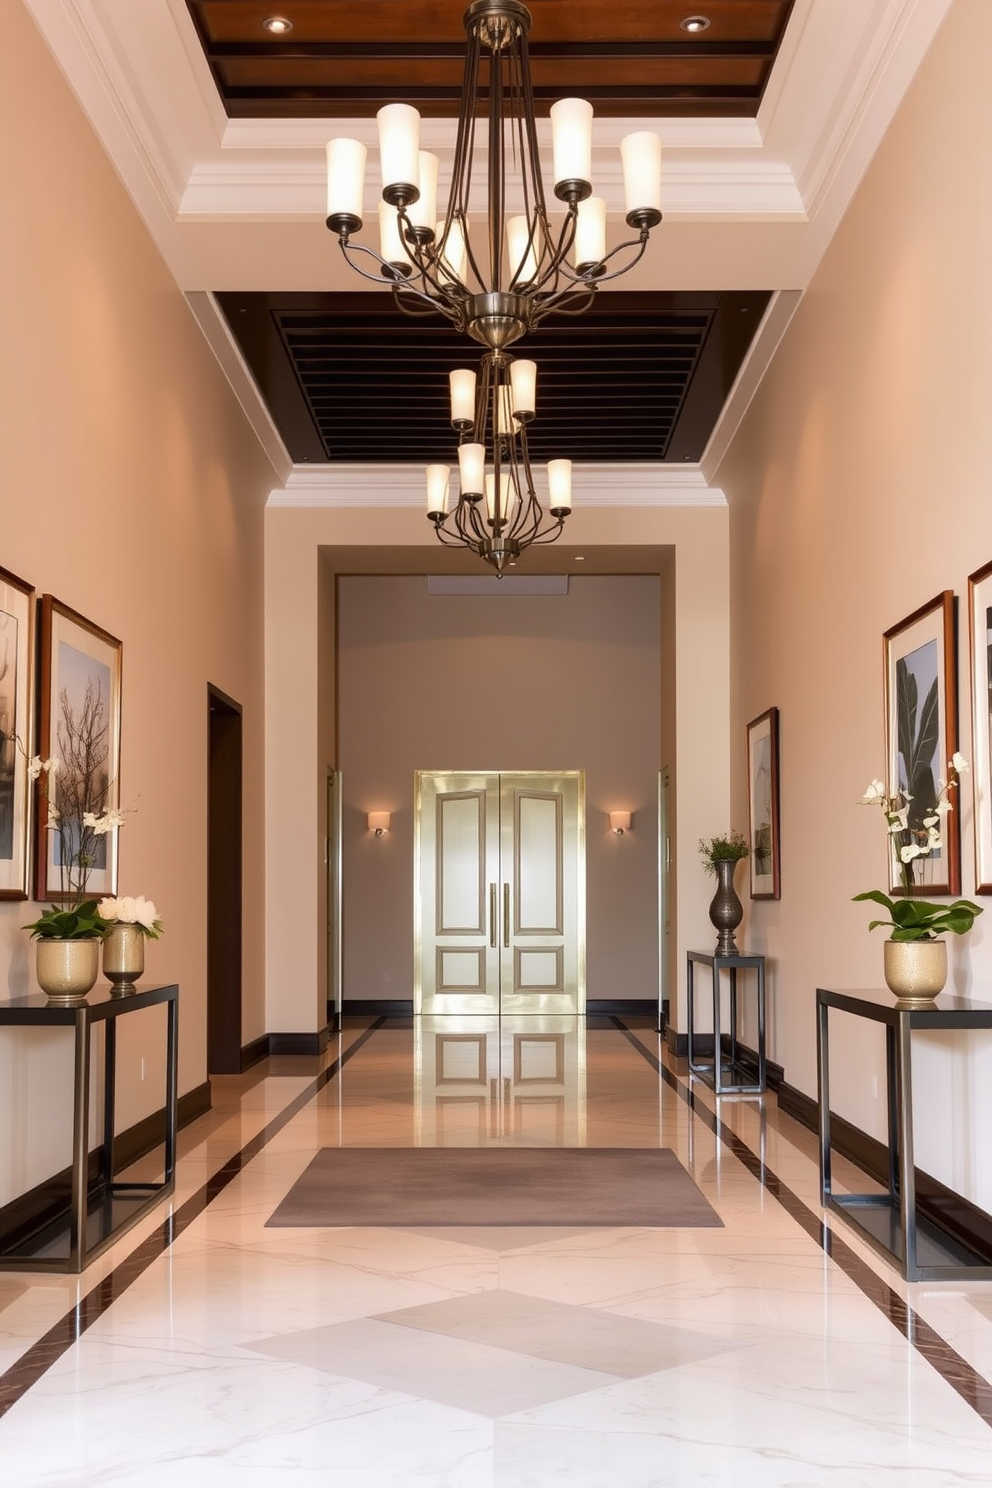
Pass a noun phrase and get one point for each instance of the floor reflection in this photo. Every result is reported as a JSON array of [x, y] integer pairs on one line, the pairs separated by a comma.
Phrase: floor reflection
[[483, 1081]]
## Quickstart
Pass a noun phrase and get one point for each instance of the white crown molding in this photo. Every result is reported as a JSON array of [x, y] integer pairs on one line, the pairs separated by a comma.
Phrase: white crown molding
[[593, 485], [774, 324], [296, 189]]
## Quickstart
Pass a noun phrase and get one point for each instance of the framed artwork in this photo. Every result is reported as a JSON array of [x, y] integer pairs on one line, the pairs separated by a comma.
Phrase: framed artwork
[[921, 734], [80, 725], [762, 806], [16, 732], [980, 626]]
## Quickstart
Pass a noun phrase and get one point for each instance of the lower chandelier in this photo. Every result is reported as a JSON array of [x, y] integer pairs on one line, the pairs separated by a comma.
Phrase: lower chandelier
[[498, 513]]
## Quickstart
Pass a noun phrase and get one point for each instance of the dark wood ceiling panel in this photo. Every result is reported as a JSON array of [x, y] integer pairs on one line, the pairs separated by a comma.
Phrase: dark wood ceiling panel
[[639, 377], [347, 57]]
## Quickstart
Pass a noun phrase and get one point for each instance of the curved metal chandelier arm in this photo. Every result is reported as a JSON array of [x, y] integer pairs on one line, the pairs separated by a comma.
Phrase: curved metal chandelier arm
[[387, 273], [639, 243]]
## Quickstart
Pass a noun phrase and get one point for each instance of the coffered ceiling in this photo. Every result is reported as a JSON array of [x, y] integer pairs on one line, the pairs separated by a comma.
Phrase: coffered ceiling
[[769, 118]]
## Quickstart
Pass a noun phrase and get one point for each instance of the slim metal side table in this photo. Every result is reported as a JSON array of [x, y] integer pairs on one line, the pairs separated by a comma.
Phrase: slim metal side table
[[922, 1249], [741, 1081], [97, 1208]]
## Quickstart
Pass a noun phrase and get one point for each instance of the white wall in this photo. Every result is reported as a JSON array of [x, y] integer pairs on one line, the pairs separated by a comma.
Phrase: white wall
[[859, 488]]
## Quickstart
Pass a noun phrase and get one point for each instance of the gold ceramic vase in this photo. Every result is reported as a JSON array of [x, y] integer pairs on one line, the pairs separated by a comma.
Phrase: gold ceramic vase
[[123, 958], [67, 969], [915, 970]]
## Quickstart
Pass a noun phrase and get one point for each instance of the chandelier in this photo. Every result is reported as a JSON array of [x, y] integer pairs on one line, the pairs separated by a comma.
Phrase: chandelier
[[498, 513], [496, 280]]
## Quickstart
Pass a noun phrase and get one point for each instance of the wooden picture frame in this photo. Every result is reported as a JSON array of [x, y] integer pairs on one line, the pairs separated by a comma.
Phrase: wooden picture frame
[[17, 705], [980, 636], [80, 724], [764, 852], [921, 734]]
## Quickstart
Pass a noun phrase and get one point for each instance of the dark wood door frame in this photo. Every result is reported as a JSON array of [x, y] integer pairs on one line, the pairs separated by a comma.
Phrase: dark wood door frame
[[224, 890]]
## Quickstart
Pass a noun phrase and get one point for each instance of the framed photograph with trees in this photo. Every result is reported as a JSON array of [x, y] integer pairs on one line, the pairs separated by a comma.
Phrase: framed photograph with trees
[[762, 806], [980, 627], [921, 735], [16, 732], [80, 729]]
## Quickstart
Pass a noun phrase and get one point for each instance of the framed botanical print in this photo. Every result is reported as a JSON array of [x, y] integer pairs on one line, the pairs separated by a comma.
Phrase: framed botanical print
[[921, 736], [16, 732], [762, 806], [980, 628], [80, 728]]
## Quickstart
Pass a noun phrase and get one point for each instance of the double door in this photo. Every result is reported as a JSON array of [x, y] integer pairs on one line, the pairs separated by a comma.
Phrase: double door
[[499, 893]]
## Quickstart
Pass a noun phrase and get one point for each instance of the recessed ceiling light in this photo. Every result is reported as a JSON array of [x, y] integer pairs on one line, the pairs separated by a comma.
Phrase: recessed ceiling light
[[279, 25], [580, 558], [695, 23]]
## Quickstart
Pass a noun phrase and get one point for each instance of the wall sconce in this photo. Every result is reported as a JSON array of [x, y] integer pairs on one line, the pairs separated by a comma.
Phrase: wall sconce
[[619, 822], [378, 822]]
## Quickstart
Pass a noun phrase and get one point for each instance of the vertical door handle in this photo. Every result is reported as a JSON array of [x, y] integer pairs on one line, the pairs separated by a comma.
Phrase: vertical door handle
[[492, 915], [506, 914]]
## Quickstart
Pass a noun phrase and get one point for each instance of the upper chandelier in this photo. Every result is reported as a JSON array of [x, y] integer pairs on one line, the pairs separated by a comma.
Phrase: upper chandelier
[[497, 283]]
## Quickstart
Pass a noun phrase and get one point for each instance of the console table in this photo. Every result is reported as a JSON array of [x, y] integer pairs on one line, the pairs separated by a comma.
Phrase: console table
[[97, 1208], [922, 1249], [740, 1080]]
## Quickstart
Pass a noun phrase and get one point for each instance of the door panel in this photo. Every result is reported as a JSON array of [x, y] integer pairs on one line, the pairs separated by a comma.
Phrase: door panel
[[499, 891]]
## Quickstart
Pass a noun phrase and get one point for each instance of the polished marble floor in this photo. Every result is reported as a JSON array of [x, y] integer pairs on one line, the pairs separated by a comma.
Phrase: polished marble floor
[[206, 1348]]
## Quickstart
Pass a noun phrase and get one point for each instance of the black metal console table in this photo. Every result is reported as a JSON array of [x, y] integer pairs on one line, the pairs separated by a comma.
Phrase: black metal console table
[[922, 1249], [739, 1080], [98, 1209]]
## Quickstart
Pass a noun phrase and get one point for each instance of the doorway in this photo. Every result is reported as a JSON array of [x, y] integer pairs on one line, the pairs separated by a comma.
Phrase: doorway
[[499, 893], [224, 749]]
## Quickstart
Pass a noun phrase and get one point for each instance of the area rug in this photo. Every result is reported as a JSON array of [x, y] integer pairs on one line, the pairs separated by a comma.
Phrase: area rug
[[443, 1186]]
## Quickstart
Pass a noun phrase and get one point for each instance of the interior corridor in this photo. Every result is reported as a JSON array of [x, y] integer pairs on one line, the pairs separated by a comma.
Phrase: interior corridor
[[206, 1348]]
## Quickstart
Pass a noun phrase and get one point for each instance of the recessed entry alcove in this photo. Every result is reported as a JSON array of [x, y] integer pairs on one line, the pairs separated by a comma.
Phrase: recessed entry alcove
[[499, 681]]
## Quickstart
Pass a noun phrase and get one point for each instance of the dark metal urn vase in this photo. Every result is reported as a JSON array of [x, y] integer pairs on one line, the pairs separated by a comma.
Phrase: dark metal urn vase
[[726, 911]]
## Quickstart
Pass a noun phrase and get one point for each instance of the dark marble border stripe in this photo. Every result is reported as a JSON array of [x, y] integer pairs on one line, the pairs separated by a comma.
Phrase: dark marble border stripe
[[973, 1388], [30, 1367]]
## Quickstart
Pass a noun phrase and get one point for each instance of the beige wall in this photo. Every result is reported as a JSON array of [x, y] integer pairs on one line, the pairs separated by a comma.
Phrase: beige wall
[[568, 682], [859, 487], [132, 490], [695, 671]]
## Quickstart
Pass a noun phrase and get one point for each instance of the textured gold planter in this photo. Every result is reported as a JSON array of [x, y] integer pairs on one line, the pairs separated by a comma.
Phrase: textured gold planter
[[915, 970], [123, 958], [67, 969]]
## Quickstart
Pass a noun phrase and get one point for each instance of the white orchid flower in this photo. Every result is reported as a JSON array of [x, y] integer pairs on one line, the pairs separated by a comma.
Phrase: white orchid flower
[[875, 792], [53, 817], [931, 821], [959, 763], [910, 851], [933, 839]]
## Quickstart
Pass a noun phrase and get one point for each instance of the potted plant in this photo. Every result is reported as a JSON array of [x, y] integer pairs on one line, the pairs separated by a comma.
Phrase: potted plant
[[130, 922], [68, 934], [720, 857], [915, 964]]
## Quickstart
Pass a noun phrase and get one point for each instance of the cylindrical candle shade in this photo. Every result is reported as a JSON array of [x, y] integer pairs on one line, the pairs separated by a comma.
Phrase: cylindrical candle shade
[[571, 139], [390, 243], [423, 213], [507, 497], [640, 154], [559, 485], [523, 384], [345, 177], [590, 233], [453, 253], [521, 251], [504, 412], [462, 385], [437, 489], [399, 145], [471, 468]]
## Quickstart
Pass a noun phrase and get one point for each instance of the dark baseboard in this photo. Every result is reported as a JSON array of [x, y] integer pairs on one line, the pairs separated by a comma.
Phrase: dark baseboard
[[299, 1043], [953, 1213], [678, 1046], [31, 1211], [623, 1007], [255, 1052], [377, 1007]]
